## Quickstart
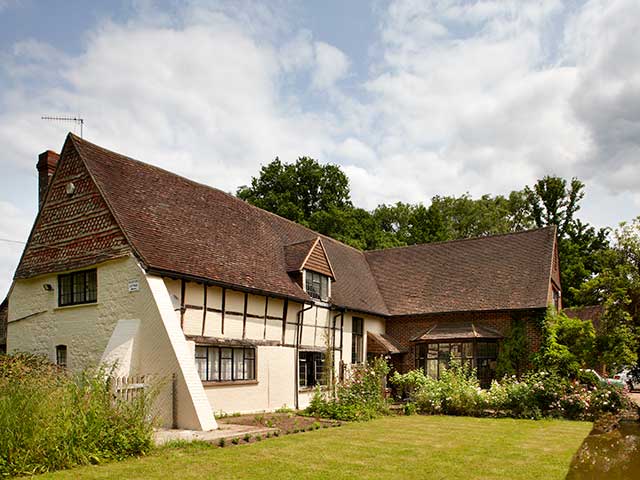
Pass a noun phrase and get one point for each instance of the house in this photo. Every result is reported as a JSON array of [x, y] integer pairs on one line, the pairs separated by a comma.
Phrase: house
[[136, 267]]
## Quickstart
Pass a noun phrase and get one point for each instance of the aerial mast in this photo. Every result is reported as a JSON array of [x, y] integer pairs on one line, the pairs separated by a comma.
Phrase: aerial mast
[[76, 120]]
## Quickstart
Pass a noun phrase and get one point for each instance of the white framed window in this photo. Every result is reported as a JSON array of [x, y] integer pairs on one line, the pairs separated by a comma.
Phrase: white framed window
[[225, 364]]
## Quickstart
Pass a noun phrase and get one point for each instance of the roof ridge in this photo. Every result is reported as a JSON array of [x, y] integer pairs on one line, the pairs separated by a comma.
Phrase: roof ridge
[[194, 182], [457, 240]]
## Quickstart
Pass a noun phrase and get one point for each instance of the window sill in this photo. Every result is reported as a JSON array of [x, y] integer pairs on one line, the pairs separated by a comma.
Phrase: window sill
[[311, 389], [79, 305], [227, 383]]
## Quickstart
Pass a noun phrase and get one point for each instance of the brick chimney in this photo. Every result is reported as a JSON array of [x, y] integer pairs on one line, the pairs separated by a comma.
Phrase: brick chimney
[[47, 163]]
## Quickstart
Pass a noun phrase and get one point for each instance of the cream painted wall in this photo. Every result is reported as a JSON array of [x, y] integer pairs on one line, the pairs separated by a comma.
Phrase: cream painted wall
[[274, 389], [84, 329], [159, 348]]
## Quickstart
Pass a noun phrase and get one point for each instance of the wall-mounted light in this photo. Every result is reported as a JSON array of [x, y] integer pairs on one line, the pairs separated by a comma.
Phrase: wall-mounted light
[[47, 287]]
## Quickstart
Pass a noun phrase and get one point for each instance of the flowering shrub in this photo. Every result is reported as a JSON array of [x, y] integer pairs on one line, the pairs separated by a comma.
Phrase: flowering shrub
[[359, 397], [534, 395]]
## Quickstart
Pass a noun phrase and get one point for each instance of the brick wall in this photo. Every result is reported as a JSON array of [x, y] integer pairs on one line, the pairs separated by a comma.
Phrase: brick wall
[[403, 329]]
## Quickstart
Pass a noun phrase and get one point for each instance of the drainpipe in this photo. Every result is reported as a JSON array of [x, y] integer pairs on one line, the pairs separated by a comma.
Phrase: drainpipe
[[333, 348], [299, 320]]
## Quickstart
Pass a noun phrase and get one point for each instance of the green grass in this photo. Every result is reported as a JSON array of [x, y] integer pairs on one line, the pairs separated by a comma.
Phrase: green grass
[[415, 447]]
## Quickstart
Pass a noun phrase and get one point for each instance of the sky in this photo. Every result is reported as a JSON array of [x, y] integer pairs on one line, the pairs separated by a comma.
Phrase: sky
[[412, 98]]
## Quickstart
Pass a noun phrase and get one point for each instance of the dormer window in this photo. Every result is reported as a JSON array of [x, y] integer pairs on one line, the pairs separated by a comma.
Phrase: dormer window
[[317, 285]]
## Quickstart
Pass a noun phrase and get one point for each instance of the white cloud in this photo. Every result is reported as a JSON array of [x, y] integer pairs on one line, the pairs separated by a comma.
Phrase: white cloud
[[331, 65], [481, 97], [14, 225]]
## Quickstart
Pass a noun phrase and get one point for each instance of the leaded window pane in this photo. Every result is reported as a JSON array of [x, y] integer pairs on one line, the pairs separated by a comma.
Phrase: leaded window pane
[[226, 364], [238, 364]]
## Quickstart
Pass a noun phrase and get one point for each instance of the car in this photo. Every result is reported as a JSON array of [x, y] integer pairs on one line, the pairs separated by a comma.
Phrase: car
[[607, 381], [627, 379]]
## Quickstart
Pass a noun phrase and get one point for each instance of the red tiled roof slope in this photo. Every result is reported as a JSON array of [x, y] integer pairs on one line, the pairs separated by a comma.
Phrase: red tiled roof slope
[[296, 253], [177, 225], [500, 272]]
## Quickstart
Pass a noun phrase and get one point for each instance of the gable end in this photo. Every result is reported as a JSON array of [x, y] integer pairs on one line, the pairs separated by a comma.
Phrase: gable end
[[71, 231]]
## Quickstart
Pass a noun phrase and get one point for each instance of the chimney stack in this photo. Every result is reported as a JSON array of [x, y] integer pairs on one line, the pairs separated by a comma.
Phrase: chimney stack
[[47, 163]]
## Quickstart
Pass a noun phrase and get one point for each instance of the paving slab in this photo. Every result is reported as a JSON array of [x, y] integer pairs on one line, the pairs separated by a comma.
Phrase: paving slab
[[228, 431]]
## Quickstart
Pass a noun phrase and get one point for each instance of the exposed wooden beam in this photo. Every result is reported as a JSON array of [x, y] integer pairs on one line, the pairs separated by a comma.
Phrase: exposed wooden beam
[[224, 298], [284, 320], [204, 308], [244, 316]]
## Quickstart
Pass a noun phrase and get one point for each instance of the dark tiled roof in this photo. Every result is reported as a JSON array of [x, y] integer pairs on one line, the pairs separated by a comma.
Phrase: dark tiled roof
[[593, 313], [457, 331], [500, 272], [177, 225], [296, 253], [382, 343]]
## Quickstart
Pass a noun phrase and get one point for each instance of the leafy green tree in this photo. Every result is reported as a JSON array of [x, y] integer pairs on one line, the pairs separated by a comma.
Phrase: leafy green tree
[[617, 288], [514, 351], [567, 344], [553, 201], [296, 191]]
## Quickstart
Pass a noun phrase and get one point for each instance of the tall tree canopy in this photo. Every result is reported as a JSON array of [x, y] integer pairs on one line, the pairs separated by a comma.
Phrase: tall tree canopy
[[616, 286], [554, 202], [296, 191]]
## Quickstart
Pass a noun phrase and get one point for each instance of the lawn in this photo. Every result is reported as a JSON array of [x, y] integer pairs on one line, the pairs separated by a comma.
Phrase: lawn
[[415, 447]]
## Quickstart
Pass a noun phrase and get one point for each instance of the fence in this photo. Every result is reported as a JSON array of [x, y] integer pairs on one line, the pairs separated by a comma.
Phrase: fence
[[161, 391], [130, 387]]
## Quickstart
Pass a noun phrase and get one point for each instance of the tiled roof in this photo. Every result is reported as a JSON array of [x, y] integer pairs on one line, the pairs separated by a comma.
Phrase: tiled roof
[[500, 272], [457, 331], [592, 313], [296, 253], [177, 226], [382, 343], [180, 226]]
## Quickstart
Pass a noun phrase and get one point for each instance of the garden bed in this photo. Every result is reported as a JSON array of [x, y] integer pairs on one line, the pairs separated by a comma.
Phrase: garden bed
[[289, 422]]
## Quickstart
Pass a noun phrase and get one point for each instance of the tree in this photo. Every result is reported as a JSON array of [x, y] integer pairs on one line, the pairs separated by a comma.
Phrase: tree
[[567, 344], [554, 202], [297, 191], [617, 288]]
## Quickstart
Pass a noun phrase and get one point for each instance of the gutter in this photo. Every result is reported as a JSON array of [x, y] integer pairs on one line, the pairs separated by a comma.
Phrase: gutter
[[296, 380]]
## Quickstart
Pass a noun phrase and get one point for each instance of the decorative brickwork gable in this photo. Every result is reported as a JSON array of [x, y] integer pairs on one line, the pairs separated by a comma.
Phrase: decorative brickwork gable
[[72, 230]]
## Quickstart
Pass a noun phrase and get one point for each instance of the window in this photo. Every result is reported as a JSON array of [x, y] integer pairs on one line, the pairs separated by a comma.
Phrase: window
[[310, 369], [77, 288], [356, 340], [435, 358], [226, 364], [61, 355], [317, 285], [556, 298]]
